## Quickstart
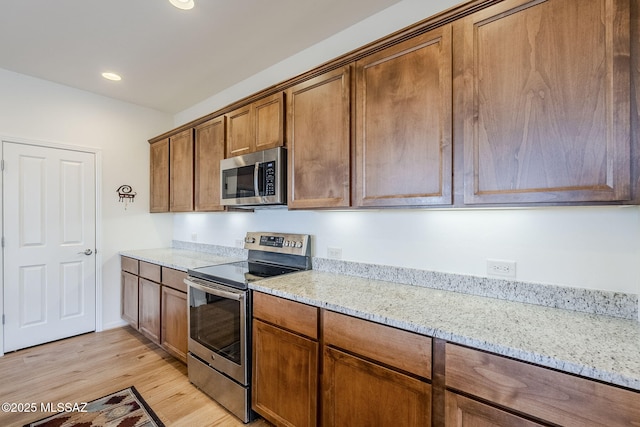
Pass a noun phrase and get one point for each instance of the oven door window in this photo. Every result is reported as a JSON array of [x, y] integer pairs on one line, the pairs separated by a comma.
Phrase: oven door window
[[215, 324], [238, 182]]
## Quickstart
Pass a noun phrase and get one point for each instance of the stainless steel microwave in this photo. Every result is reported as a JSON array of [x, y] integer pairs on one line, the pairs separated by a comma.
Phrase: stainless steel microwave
[[254, 179]]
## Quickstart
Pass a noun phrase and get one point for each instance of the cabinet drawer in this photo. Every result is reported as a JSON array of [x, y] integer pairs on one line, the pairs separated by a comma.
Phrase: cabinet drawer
[[400, 349], [174, 279], [543, 393], [129, 264], [150, 271], [291, 315]]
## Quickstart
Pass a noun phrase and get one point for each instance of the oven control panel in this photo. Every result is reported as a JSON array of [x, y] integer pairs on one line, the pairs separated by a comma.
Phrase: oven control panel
[[295, 244]]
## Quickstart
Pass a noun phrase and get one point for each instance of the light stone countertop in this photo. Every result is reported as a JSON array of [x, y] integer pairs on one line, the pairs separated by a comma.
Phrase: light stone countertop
[[179, 259], [594, 346]]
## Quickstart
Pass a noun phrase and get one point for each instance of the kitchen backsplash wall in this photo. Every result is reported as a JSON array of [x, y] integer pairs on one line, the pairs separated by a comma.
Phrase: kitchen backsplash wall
[[585, 247]]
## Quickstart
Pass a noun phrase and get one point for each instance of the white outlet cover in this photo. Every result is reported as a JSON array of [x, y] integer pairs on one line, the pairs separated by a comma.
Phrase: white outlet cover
[[501, 268], [334, 253]]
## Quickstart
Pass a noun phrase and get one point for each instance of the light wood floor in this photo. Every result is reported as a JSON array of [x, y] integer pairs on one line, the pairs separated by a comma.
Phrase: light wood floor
[[86, 367]]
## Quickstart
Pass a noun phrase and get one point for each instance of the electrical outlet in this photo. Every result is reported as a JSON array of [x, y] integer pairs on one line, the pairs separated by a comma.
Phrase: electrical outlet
[[501, 268], [194, 237], [334, 253], [239, 243]]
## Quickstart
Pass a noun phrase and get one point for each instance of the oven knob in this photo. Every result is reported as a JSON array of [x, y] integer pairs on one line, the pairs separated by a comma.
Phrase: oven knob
[[298, 244], [250, 240], [287, 243]]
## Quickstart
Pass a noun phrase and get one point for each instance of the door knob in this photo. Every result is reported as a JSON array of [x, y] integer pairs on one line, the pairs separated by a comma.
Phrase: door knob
[[86, 252]]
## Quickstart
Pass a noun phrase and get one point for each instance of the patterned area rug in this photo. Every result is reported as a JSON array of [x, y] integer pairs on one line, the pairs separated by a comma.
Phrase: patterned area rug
[[125, 408]]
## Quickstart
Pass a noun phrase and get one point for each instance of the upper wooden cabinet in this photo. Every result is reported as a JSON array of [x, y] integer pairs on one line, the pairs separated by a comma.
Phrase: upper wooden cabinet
[[403, 123], [257, 126], [181, 172], [209, 150], [318, 137], [159, 176], [546, 101]]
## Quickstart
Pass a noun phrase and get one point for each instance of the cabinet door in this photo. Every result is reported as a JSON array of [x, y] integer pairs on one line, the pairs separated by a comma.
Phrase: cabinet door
[[358, 392], [403, 123], [240, 139], [285, 376], [181, 172], [129, 298], [464, 412], [174, 322], [318, 137], [149, 309], [209, 150], [159, 176], [546, 101], [269, 122]]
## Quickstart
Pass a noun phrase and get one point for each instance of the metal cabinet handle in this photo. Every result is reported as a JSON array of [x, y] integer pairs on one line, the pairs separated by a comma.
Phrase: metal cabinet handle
[[86, 252]]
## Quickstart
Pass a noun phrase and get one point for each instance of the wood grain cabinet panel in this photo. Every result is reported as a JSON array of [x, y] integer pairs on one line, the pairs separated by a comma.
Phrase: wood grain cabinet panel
[[209, 150], [159, 176], [240, 139], [404, 123], [539, 392], [465, 412], [379, 342], [181, 171], [285, 376], [174, 322], [359, 392], [294, 316], [546, 101], [269, 122], [149, 309], [256, 126], [129, 298], [129, 265], [319, 141]]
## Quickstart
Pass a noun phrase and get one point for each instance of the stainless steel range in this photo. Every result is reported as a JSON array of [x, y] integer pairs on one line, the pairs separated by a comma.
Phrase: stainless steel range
[[219, 360]]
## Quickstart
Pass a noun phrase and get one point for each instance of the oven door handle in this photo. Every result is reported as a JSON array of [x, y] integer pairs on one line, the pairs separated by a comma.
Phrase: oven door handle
[[214, 290]]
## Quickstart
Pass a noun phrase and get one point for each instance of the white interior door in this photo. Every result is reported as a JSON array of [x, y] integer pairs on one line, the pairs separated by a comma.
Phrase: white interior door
[[49, 229]]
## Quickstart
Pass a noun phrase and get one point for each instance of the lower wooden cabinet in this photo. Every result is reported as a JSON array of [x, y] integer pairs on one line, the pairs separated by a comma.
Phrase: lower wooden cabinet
[[149, 309], [360, 392], [532, 391], [154, 301], [174, 322], [285, 376], [285, 361], [373, 374], [464, 412], [129, 298]]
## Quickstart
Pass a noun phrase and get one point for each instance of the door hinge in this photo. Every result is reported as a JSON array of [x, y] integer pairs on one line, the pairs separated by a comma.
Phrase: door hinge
[[3, 241], [2, 164], [3, 319]]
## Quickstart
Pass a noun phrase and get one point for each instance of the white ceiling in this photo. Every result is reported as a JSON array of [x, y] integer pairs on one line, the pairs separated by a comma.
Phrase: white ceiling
[[169, 59]]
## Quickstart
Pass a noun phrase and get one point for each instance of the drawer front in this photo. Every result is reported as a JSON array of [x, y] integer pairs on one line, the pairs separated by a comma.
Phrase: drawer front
[[129, 264], [150, 271], [174, 279], [540, 392], [404, 350], [291, 315]]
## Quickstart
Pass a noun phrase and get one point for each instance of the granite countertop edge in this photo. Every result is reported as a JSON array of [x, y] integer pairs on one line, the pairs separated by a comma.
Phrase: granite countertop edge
[[510, 347], [180, 259]]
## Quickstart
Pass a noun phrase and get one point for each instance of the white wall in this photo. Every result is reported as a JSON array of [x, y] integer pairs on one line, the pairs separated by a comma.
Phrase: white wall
[[34, 109], [597, 248], [589, 247]]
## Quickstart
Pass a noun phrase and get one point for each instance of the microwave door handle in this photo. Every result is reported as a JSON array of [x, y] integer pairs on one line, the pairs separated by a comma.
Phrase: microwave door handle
[[256, 175]]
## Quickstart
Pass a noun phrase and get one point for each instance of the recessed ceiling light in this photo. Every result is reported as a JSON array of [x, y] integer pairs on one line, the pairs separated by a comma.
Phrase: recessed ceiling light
[[112, 76], [183, 4]]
